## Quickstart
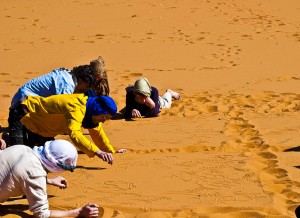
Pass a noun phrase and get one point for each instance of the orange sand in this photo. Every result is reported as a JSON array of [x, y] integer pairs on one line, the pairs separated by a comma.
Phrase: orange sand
[[221, 150]]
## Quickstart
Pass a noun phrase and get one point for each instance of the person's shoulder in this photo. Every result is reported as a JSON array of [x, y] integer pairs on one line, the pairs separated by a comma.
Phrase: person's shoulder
[[26, 162], [154, 89], [129, 89], [78, 99], [72, 97], [59, 72]]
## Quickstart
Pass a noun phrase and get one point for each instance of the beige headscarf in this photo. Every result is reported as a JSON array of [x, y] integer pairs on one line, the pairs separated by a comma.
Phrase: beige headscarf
[[142, 86]]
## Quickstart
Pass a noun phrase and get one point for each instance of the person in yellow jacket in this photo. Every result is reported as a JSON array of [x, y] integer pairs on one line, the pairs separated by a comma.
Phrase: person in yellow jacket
[[37, 119]]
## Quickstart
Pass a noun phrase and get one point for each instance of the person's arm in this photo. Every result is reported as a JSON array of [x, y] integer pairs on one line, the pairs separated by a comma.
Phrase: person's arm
[[153, 112], [100, 139], [150, 103], [86, 145], [74, 119], [34, 187], [74, 114], [89, 210], [2, 144], [130, 102], [59, 181]]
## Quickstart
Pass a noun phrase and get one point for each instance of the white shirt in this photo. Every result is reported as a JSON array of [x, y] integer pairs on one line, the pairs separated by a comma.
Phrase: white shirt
[[21, 172]]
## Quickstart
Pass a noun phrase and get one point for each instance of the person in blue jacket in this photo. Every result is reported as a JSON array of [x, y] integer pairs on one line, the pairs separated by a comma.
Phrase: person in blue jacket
[[60, 81], [143, 100]]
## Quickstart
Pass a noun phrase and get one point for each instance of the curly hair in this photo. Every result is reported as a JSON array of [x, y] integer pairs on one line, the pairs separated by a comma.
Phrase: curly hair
[[85, 73], [101, 87]]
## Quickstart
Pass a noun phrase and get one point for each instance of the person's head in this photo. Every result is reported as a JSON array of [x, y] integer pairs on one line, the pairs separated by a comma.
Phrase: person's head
[[98, 67], [103, 109], [141, 90], [85, 78], [98, 109], [57, 155]]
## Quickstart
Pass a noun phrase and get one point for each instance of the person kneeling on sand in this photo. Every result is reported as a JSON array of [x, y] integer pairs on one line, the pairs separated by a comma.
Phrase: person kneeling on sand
[[23, 171], [59, 81], [65, 81], [36, 119], [142, 99]]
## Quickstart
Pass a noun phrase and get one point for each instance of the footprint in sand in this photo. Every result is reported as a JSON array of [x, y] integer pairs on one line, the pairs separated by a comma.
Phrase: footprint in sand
[[4, 96], [5, 81], [136, 74]]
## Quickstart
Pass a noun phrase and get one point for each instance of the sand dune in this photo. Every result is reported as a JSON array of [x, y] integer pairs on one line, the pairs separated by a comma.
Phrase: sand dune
[[229, 148]]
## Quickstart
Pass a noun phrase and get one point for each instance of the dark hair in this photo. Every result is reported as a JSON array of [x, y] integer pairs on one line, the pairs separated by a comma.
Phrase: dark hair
[[85, 73]]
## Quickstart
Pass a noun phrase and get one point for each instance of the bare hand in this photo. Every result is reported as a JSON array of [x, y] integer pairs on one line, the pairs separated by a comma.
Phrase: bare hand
[[59, 181], [89, 210], [2, 144], [122, 150], [135, 113], [107, 157], [150, 103]]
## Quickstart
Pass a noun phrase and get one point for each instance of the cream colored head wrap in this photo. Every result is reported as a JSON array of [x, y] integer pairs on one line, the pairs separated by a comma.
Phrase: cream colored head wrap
[[142, 86], [57, 155]]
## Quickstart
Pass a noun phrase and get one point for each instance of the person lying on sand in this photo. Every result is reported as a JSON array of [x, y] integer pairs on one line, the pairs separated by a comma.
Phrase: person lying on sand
[[64, 81], [23, 171], [36, 119], [142, 99]]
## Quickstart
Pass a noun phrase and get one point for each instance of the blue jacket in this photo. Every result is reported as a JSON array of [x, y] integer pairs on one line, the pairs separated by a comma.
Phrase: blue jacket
[[58, 81]]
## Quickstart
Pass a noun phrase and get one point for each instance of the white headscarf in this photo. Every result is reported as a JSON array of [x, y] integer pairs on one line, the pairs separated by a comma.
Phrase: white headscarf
[[57, 155]]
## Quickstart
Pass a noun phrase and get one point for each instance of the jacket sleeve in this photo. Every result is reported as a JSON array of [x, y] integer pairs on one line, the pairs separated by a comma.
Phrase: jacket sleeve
[[130, 102], [100, 139], [74, 120], [155, 97], [74, 115], [34, 187]]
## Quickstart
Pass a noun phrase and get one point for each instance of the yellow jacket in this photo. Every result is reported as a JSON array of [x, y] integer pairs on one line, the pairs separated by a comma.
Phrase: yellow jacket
[[63, 114]]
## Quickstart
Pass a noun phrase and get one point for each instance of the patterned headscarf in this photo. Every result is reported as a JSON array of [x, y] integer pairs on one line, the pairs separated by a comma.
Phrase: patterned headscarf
[[57, 155]]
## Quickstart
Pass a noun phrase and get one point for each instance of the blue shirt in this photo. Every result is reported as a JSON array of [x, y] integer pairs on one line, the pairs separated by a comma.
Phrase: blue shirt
[[58, 81]]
